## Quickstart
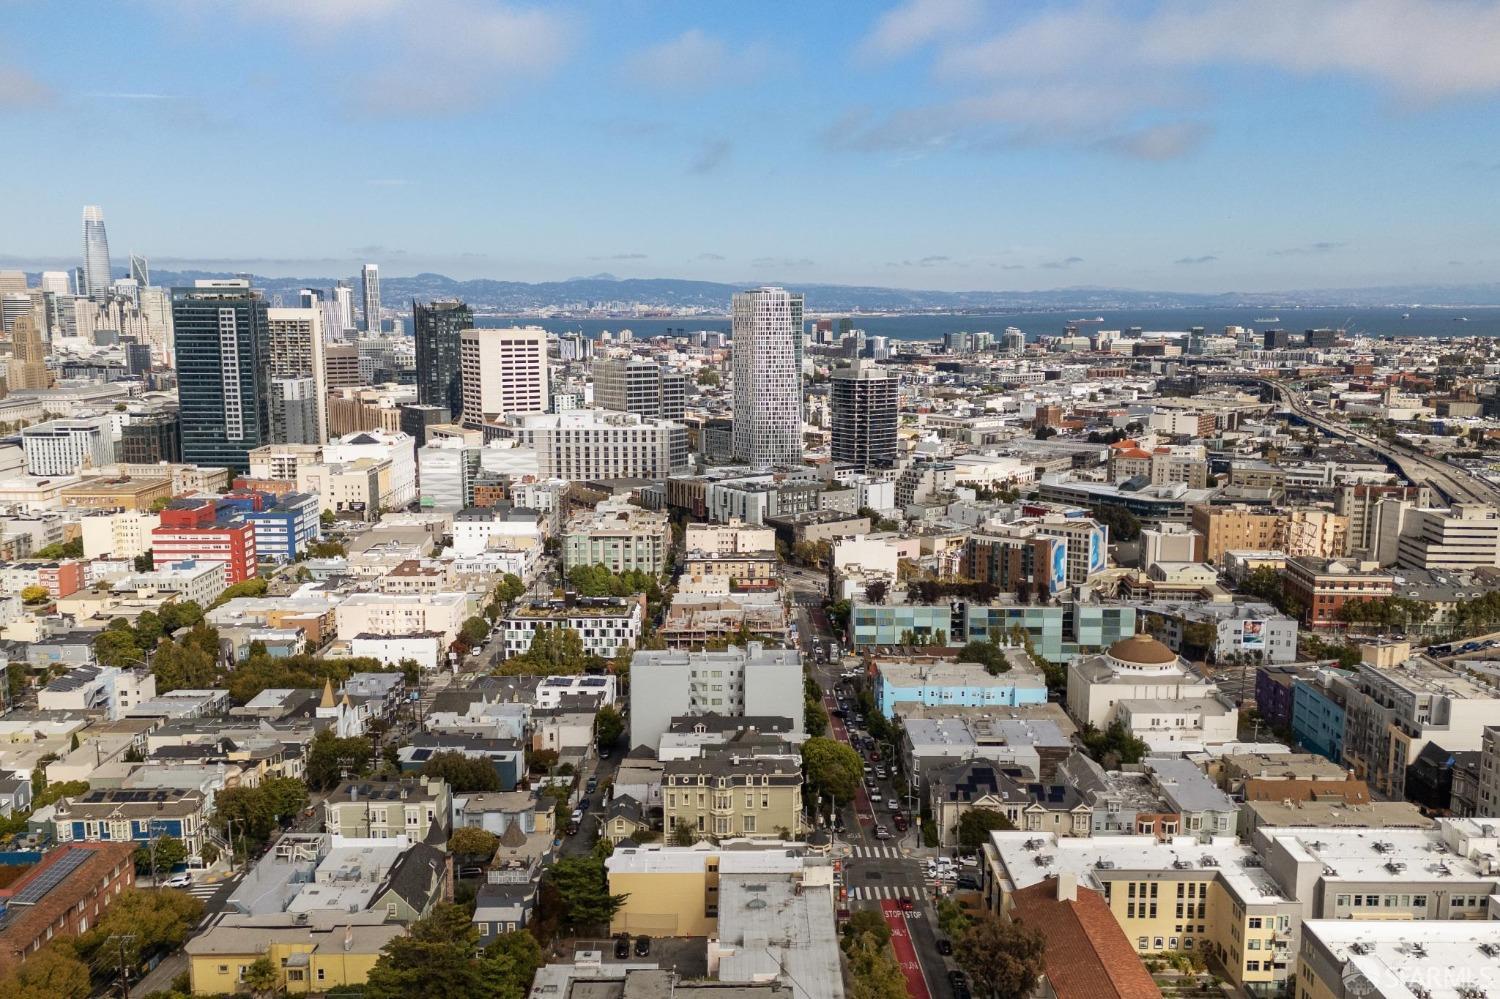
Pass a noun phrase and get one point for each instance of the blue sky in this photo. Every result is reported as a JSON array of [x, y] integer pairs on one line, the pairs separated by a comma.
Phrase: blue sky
[[1245, 145]]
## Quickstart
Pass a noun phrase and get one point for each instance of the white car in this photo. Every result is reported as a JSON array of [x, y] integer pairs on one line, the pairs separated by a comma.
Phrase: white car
[[183, 880], [875, 797]]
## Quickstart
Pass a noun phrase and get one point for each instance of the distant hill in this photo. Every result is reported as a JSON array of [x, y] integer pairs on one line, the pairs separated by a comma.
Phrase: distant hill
[[487, 295]]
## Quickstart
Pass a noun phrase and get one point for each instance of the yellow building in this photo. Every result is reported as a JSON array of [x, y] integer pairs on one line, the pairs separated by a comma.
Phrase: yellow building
[[330, 950], [117, 493], [1231, 528], [1181, 894], [723, 794]]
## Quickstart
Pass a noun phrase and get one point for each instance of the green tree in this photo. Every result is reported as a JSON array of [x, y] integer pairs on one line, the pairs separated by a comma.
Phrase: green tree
[[435, 958], [253, 587], [53, 972], [684, 834], [1113, 747], [553, 650], [832, 768], [168, 853], [326, 549], [867, 922], [1123, 525], [330, 758], [261, 976], [1002, 958], [180, 614], [117, 647], [609, 725], [473, 844], [708, 377], [62, 549], [987, 654], [510, 588], [474, 631], [584, 887], [874, 972], [152, 921], [35, 594], [464, 774], [509, 964], [976, 824], [257, 812]]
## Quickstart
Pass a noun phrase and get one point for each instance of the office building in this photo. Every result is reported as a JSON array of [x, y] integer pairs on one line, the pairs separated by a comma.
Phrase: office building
[[222, 372], [618, 536], [589, 444], [740, 681], [863, 412], [341, 366], [149, 438], [296, 338], [767, 366], [1465, 537], [63, 447], [1360, 504], [639, 385], [1320, 586], [447, 470], [96, 277], [13, 305], [343, 307], [417, 418], [369, 280], [503, 372], [295, 408], [28, 360], [436, 327], [205, 530]]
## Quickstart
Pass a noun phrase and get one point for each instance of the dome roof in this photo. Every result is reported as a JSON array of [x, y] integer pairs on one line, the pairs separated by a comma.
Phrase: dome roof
[[1142, 650]]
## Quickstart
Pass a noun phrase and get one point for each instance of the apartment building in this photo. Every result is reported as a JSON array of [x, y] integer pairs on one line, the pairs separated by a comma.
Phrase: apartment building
[[723, 795], [619, 536], [1340, 959], [417, 808], [902, 683], [751, 680], [731, 538], [1359, 502], [124, 534], [391, 614], [607, 626], [1229, 528], [64, 894], [134, 816], [208, 531], [639, 385], [589, 444], [1322, 585], [1392, 714]]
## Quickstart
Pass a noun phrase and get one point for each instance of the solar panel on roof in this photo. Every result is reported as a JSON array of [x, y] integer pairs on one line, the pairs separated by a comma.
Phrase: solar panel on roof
[[49, 879]]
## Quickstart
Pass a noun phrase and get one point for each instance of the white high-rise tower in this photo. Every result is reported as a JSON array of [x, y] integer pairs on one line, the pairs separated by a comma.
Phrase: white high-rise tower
[[369, 276], [768, 376], [95, 255]]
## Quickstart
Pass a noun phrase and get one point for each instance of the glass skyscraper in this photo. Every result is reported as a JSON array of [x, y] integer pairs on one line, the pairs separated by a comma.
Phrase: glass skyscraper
[[436, 327], [95, 255], [223, 372]]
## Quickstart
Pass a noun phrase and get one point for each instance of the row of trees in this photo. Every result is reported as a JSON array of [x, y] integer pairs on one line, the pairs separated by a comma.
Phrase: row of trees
[[440, 956], [1003, 958], [872, 966]]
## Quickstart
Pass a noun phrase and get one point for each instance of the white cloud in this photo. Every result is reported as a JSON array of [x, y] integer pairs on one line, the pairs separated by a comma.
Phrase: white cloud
[[917, 23], [694, 60]]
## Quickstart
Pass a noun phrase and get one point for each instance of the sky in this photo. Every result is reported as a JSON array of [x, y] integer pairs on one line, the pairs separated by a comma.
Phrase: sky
[[1247, 145]]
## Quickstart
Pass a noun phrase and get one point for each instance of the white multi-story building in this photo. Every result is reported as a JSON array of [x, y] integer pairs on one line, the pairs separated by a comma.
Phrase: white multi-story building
[[198, 580], [402, 614], [296, 338], [1465, 537], [767, 367], [749, 681], [62, 447], [503, 371], [282, 461], [588, 444], [398, 482], [607, 626], [369, 276], [733, 538], [124, 534], [449, 468]]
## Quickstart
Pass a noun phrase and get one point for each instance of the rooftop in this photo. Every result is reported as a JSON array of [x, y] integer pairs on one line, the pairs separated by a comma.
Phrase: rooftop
[[1454, 959]]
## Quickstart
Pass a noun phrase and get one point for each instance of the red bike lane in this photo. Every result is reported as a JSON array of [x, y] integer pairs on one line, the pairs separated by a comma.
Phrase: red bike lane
[[906, 953]]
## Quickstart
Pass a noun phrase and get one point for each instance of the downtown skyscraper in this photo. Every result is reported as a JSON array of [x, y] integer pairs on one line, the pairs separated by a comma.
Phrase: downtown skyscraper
[[767, 365], [223, 372], [369, 279], [436, 328], [96, 279]]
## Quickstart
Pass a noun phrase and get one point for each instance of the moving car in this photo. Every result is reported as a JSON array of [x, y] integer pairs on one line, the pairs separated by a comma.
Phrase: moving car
[[182, 880], [899, 821], [881, 832], [907, 905], [875, 797]]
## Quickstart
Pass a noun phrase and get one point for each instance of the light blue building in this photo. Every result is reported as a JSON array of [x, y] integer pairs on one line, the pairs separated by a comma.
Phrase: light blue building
[[1318, 716], [286, 529], [963, 685]]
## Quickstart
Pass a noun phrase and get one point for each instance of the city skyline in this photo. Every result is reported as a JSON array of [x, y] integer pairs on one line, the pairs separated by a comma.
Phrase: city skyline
[[940, 144]]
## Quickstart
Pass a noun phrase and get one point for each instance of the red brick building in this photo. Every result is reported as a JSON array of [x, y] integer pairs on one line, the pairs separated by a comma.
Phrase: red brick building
[[62, 896], [61, 578], [1322, 585], [199, 529]]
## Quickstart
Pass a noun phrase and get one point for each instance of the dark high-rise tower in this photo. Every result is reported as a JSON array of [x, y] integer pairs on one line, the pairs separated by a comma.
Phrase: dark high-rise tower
[[437, 326], [862, 410], [223, 376]]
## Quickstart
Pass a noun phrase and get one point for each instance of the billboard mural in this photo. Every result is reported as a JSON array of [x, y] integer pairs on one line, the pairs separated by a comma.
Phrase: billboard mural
[[1059, 564], [1253, 635], [1098, 549]]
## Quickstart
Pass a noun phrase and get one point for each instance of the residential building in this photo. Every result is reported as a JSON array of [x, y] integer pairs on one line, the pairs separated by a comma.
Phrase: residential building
[[1087, 955], [283, 531], [133, 816], [206, 530], [503, 371], [1058, 632], [955, 789], [295, 338], [733, 537], [767, 364], [65, 894], [369, 280], [607, 626], [418, 808], [124, 534], [398, 478], [1392, 714], [750, 680], [150, 438], [619, 536], [396, 615], [639, 385], [105, 689], [1488, 792], [1360, 502], [863, 412], [1228, 528], [723, 795], [593, 444], [1318, 714], [437, 327], [317, 951], [1343, 959], [1322, 585], [223, 372], [502, 526]]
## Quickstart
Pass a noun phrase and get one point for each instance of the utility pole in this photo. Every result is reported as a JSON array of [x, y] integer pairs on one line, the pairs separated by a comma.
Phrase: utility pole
[[121, 939]]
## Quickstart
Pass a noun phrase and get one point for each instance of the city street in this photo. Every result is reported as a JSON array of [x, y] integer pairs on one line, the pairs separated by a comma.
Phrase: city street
[[878, 874]]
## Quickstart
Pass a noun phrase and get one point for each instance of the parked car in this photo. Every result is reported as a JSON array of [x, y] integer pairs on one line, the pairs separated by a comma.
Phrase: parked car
[[577, 815], [899, 821], [591, 785], [622, 946], [843, 914], [583, 805], [642, 946], [881, 772], [944, 946]]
